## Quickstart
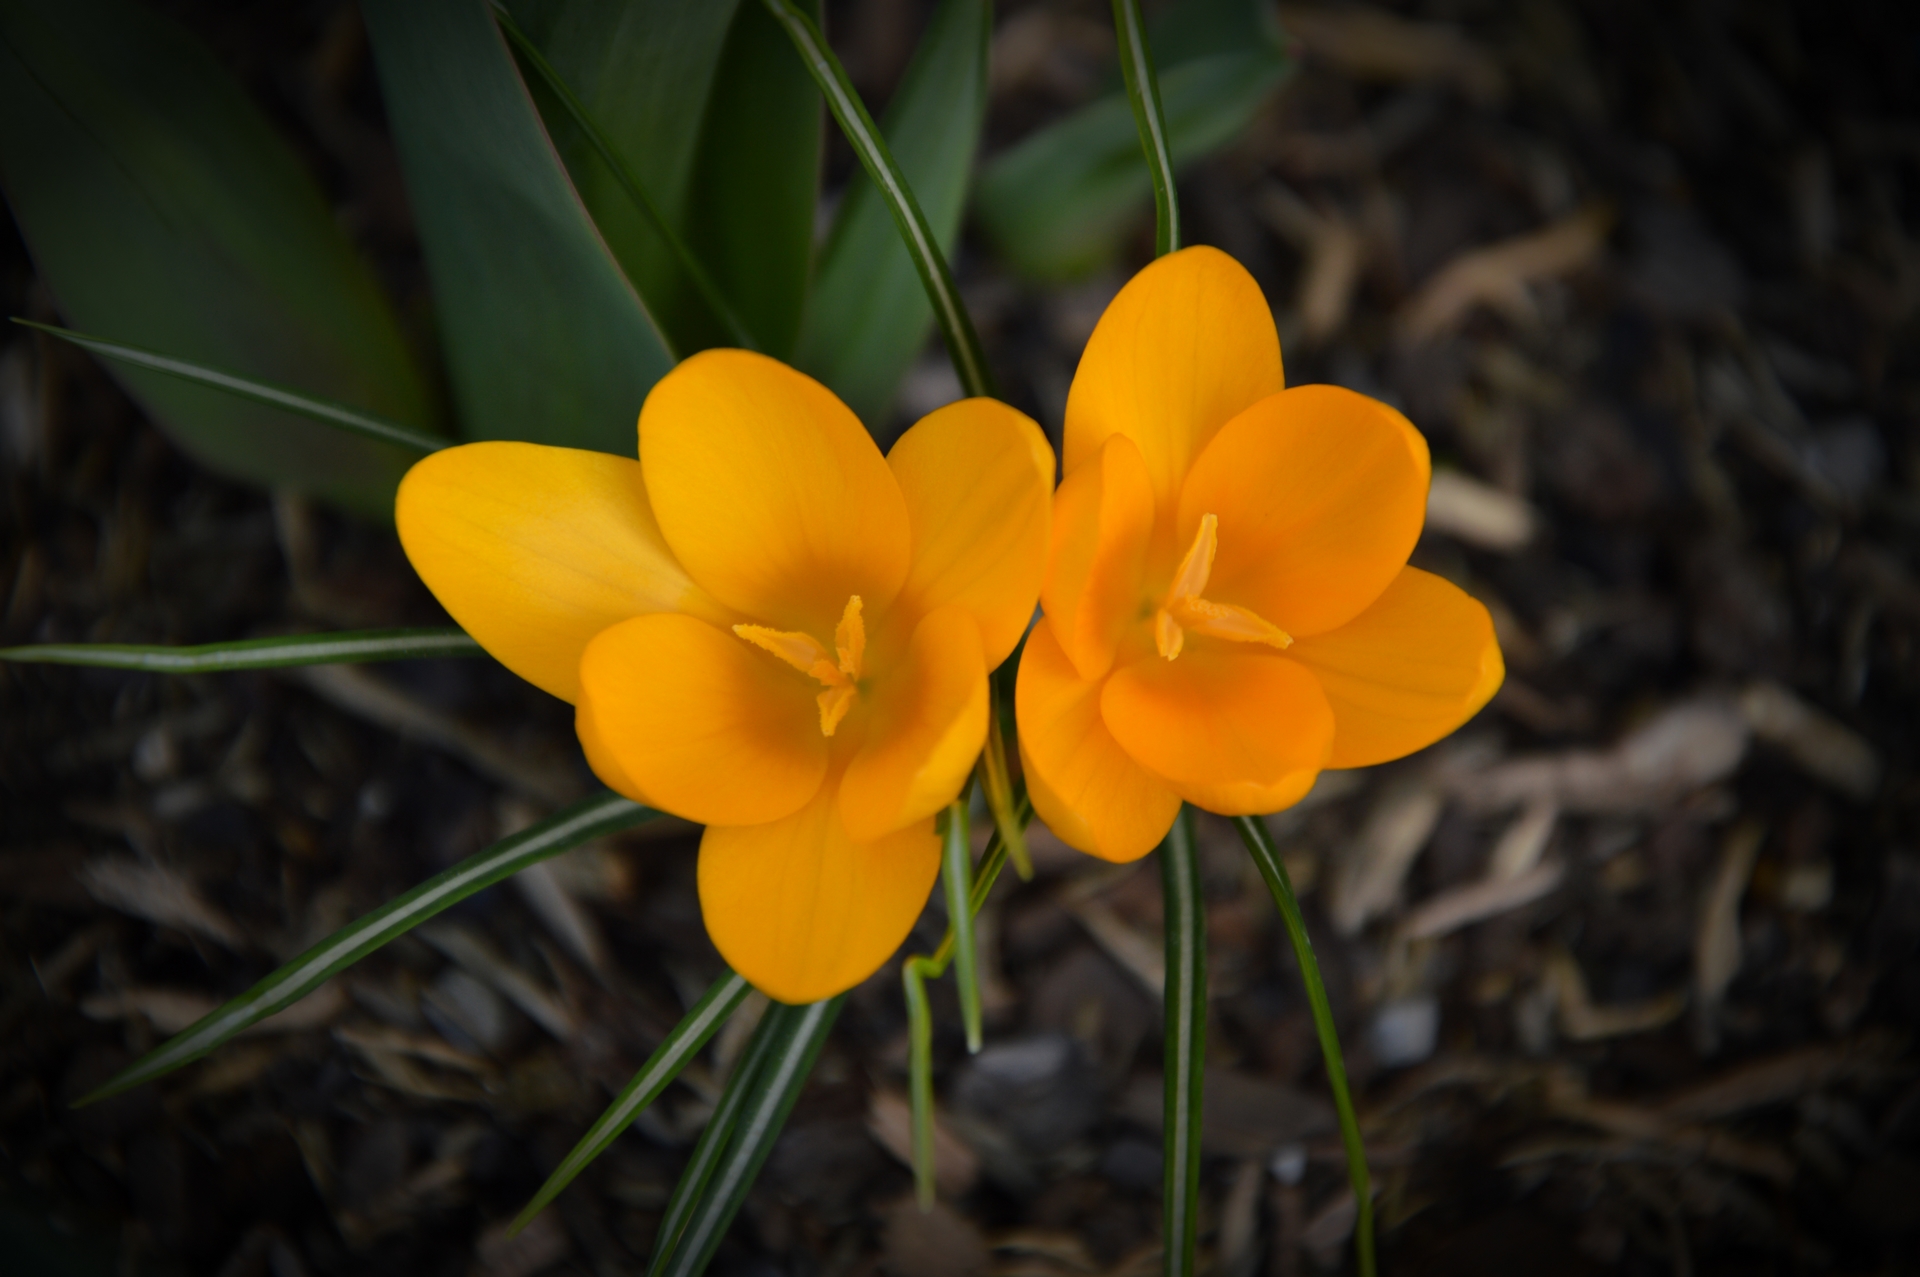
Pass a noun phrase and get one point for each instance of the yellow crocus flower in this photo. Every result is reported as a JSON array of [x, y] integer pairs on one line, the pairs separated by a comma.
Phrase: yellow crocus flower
[[1228, 603], [765, 627]]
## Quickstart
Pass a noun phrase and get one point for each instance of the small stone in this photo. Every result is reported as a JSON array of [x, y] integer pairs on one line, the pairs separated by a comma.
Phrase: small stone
[[1405, 1032]]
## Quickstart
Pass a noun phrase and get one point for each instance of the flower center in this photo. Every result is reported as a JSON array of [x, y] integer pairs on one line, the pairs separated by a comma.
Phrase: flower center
[[1184, 609], [810, 656]]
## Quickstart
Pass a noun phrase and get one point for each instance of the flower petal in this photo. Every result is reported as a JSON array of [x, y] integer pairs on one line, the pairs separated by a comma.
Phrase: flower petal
[[534, 550], [701, 723], [978, 481], [771, 492], [1320, 493], [1228, 729], [804, 911], [1082, 783], [1186, 346], [929, 720], [1102, 527], [1418, 663]]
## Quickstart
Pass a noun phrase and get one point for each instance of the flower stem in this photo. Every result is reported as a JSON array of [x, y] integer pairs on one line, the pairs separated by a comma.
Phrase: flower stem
[[1186, 1040], [1143, 91]]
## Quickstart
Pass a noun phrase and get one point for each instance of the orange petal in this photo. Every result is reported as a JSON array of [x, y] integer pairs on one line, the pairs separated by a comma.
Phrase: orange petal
[[1082, 783], [929, 720], [804, 911], [1229, 730], [702, 724], [1102, 526], [771, 492], [1418, 663], [1321, 493], [535, 550], [1186, 346], [978, 481]]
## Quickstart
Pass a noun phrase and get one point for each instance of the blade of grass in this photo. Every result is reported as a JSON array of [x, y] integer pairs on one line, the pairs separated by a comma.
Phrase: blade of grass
[[800, 1033], [963, 344], [700, 1023], [1143, 91], [347, 647], [604, 813], [1186, 1041], [262, 392], [956, 875], [997, 781], [1253, 832], [597, 138]]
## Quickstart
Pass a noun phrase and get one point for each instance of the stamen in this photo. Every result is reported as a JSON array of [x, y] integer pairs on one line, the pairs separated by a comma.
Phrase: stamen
[[851, 639], [1184, 608], [810, 656]]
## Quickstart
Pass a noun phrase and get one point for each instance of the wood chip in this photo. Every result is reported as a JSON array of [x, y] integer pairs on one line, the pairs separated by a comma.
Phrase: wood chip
[[1584, 1021], [1143, 957], [1716, 942], [1449, 911], [1779, 1078], [172, 1010], [535, 1248], [1524, 841], [465, 946], [1374, 44], [938, 1242], [956, 1167], [1478, 513], [1499, 276], [159, 895], [1367, 881], [1823, 747]]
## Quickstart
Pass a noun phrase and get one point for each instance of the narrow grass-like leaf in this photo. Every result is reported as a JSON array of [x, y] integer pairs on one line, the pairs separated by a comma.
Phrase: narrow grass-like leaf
[[956, 877], [349, 647], [996, 780], [629, 184], [867, 313], [701, 1022], [800, 1032], [1253, 832], [1186, 1041], [963, 344], [262, 392], [545, 339], [163, 209], [604, 813], [1143, 94]]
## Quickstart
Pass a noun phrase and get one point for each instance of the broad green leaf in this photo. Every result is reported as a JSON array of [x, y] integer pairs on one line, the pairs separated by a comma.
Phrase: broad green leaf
[[796, 1036], [164, 211], [261, 392], [544, 338], [1057, 204], [591, 818], [1253, 832], [348, 647], [704, 104], [868, 314], [1186, 1041], [701, 1022]]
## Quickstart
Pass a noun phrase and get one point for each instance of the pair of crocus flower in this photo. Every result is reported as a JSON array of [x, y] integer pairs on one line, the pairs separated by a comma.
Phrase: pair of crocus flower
[[770, 629]]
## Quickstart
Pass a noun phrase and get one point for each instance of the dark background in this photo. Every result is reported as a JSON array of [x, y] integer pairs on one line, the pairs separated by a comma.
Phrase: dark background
[[1683, 1045]]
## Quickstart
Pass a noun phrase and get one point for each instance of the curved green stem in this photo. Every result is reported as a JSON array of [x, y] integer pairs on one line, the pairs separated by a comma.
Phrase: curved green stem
[[1186, 1041], [346, 647], [1143, 91]]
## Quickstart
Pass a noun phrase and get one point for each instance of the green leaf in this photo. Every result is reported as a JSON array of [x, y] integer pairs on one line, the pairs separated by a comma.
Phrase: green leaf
[[262, 392], [544, 338], [1058, 204], [956, 877], [1186, 1041], [798, 1033], [868, 315], [1149, 121], [594, 817], [164, 211], [707, 111], [963, 346], [1253, 832], [700, 1023], [348, 647]]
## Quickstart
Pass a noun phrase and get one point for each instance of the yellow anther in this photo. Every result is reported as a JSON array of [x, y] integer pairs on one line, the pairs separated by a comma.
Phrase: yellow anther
[[810, 656], [1185, 609]]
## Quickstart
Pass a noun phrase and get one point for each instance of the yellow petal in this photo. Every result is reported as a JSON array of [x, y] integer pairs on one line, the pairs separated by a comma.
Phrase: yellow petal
[[1418, 663], [1102, 526], [770, 491], [1187, 345], [1320, 493], [702, 723], [929, 720], [1082, 783], [535, 550], [978, 481], [804, 911], [1228, 729]]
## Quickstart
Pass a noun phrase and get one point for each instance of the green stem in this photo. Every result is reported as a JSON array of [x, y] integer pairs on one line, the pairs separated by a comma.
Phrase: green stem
[[636, 193], [1186, 1041], [956, 873], [1143, 91], [346, 647], [963, 344], [1253, 832], [996, 779]]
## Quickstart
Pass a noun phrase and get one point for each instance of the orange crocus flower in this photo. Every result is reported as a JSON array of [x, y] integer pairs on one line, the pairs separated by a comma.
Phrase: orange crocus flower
[[1228, 603], [764, 626]]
